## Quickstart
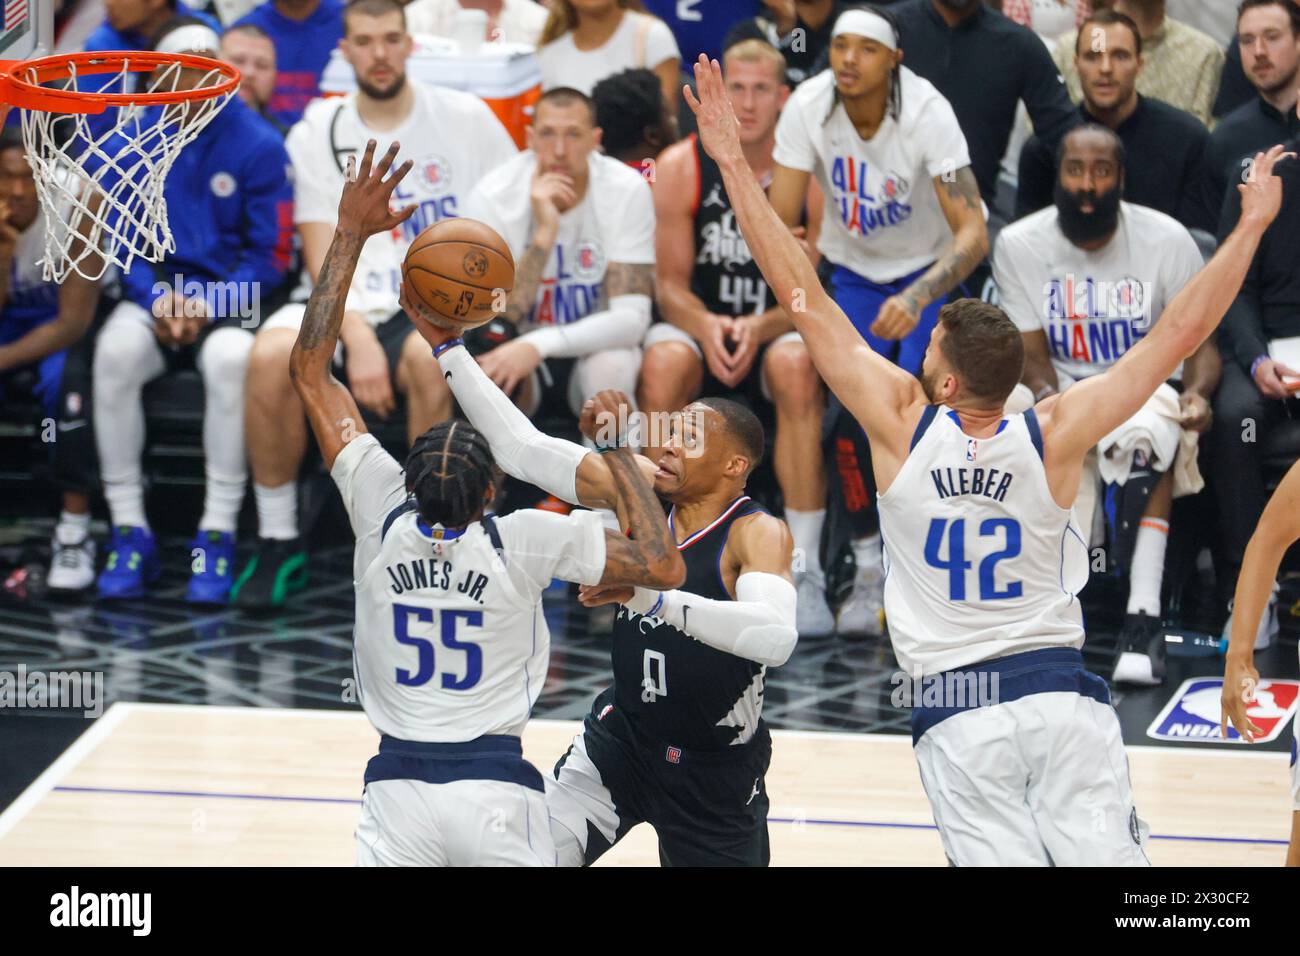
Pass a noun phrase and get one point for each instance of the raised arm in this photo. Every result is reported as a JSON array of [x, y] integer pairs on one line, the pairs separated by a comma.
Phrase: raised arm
[[1075, 421], [885, 400], [363, 212]]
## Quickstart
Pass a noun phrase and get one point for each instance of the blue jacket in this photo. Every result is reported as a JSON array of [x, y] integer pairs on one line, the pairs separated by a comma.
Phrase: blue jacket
[[302, 50]]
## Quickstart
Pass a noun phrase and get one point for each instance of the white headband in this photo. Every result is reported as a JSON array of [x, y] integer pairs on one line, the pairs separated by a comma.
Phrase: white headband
[[866, 23], [191, 38]]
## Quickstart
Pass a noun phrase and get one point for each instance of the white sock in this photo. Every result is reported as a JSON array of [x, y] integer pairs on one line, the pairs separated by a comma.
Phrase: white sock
[[125, 499], [221, 502], [277, 510], [74, 522], [1147, 569], [866, 553], [806, 529]]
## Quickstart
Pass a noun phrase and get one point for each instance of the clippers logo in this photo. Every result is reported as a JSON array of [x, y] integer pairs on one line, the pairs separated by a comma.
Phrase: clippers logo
[[436, 173], [972, 449], [1195, 711], [867, 200], [674, 755], [223, 185], [589, 260]]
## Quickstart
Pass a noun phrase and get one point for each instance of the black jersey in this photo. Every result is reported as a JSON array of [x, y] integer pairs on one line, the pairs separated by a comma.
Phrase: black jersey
[[726, 277], [674, 688]]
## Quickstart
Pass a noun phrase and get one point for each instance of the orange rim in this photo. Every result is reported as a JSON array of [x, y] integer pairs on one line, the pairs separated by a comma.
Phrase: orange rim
[[18, 90]]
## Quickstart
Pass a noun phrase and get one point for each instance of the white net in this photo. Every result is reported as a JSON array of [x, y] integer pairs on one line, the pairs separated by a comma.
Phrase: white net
[[100, 177]]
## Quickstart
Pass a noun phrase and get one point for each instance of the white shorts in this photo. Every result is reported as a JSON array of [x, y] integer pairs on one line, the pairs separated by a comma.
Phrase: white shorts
[[667, 332], [1039, 780], [462, 823]]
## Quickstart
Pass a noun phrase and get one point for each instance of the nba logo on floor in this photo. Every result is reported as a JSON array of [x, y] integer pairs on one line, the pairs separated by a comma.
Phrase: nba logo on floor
[[1194, 712]]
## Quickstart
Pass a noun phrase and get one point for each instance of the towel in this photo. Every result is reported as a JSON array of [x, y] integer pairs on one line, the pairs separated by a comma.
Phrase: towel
[[1156, 431]]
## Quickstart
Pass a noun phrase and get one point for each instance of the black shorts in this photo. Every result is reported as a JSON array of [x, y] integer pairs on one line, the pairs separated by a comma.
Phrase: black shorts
[[392, 334], [708, 808]]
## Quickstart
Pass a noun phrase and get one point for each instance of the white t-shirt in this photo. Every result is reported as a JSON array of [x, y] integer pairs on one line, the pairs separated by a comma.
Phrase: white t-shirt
[[454, 139], [883, 219], [450, 642], [639, 41], [520, 21], [614, 222], [1093, 306]]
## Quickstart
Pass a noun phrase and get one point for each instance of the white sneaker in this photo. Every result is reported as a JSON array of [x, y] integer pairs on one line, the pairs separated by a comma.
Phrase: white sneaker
[[1268, 624], [73, 566], [812, 616], [863, 611]]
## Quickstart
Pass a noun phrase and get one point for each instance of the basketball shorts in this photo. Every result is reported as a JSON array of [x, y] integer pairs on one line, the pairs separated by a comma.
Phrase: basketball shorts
[[1037, 776], [708, 808], [392, 333], [1295, 764], [464, 804], [753, 386]]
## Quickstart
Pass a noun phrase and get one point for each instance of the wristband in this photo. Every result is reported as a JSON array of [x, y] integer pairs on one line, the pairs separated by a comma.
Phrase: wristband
[[1254, 366], [654, 608], [449, 344]]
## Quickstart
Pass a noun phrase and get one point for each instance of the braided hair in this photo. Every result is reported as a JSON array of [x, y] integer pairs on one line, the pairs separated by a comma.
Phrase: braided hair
[[895, 80], [449, 470]]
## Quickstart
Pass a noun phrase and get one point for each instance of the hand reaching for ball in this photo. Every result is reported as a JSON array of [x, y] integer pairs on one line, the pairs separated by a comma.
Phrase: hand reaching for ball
[[366, 193]]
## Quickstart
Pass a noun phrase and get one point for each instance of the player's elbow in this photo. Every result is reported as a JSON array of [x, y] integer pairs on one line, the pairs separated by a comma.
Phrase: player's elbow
[[666, 573], [769, 644]]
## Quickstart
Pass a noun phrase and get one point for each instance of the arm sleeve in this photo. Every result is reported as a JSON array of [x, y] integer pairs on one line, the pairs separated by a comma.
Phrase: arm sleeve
[[1016, 299], [794, 147], [518, 447], [570, 547], [758, 626], [372, 484], [622, 326]]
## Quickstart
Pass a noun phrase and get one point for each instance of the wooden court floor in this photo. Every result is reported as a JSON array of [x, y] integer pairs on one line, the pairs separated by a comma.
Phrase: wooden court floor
[[176, 785]]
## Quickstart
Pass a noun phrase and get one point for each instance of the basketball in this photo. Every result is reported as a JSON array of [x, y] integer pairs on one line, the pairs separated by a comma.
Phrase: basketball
[[461, 270]]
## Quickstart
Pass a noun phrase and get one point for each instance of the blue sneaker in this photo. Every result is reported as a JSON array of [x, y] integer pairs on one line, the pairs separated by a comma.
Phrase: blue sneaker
[[132, 564], [212, 558]]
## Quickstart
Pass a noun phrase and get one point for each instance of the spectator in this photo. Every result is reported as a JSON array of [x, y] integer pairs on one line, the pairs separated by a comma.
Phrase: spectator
[[1164, 147], [1181, 64], [1083, 280], [723, 330], [582, 235], [229, 194], [1048, 18], [699, 26], [509, 21], [1254, 392], [903, 223], [250, 49], [1268, 37], [41, 327], [801, 38], [305, 33], [1215, 18], [984, 64], [453, 138], [1234, 87], [634, 120], [587, 40]]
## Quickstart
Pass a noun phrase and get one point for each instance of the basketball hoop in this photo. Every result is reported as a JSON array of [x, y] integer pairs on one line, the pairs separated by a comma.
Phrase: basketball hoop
[[100, 181]]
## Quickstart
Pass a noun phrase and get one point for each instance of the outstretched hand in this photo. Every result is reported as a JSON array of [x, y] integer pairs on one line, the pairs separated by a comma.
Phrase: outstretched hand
[[366, 193], [715, 118]]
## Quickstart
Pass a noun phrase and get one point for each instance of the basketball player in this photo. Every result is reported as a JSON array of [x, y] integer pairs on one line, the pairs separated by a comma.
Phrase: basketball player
[[984, 559], [678, 742], [451, 644], [1278, 529], [722, 328], [230, 202], [904, 224], [453, 138], [582, 236]]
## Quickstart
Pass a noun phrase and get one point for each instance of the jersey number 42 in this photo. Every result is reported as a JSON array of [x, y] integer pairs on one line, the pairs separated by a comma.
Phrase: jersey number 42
[[1008, 529]]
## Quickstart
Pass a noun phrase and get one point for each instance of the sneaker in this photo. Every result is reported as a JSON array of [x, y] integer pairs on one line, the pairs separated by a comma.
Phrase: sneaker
[[73, 566], [813, 616], [1268, 624], [277, 569], [213, 561], [132, 564], [1140, 654], [863, 611]]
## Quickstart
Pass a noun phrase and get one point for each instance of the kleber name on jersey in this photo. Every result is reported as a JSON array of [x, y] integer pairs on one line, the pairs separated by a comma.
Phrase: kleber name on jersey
[[575, 290], [1195, 711], [1095, 320], [868, 200]]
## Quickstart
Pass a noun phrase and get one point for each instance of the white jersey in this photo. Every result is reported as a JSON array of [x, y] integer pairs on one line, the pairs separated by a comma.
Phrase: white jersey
[[980, 561], [453, 139], [1093, 306], [883, 219], [614, 222], [450, 643]]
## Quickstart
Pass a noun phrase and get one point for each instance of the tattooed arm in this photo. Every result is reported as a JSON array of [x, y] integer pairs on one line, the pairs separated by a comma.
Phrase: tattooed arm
[[363, 212], [649, 557], [528, 276], [959, 198]]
